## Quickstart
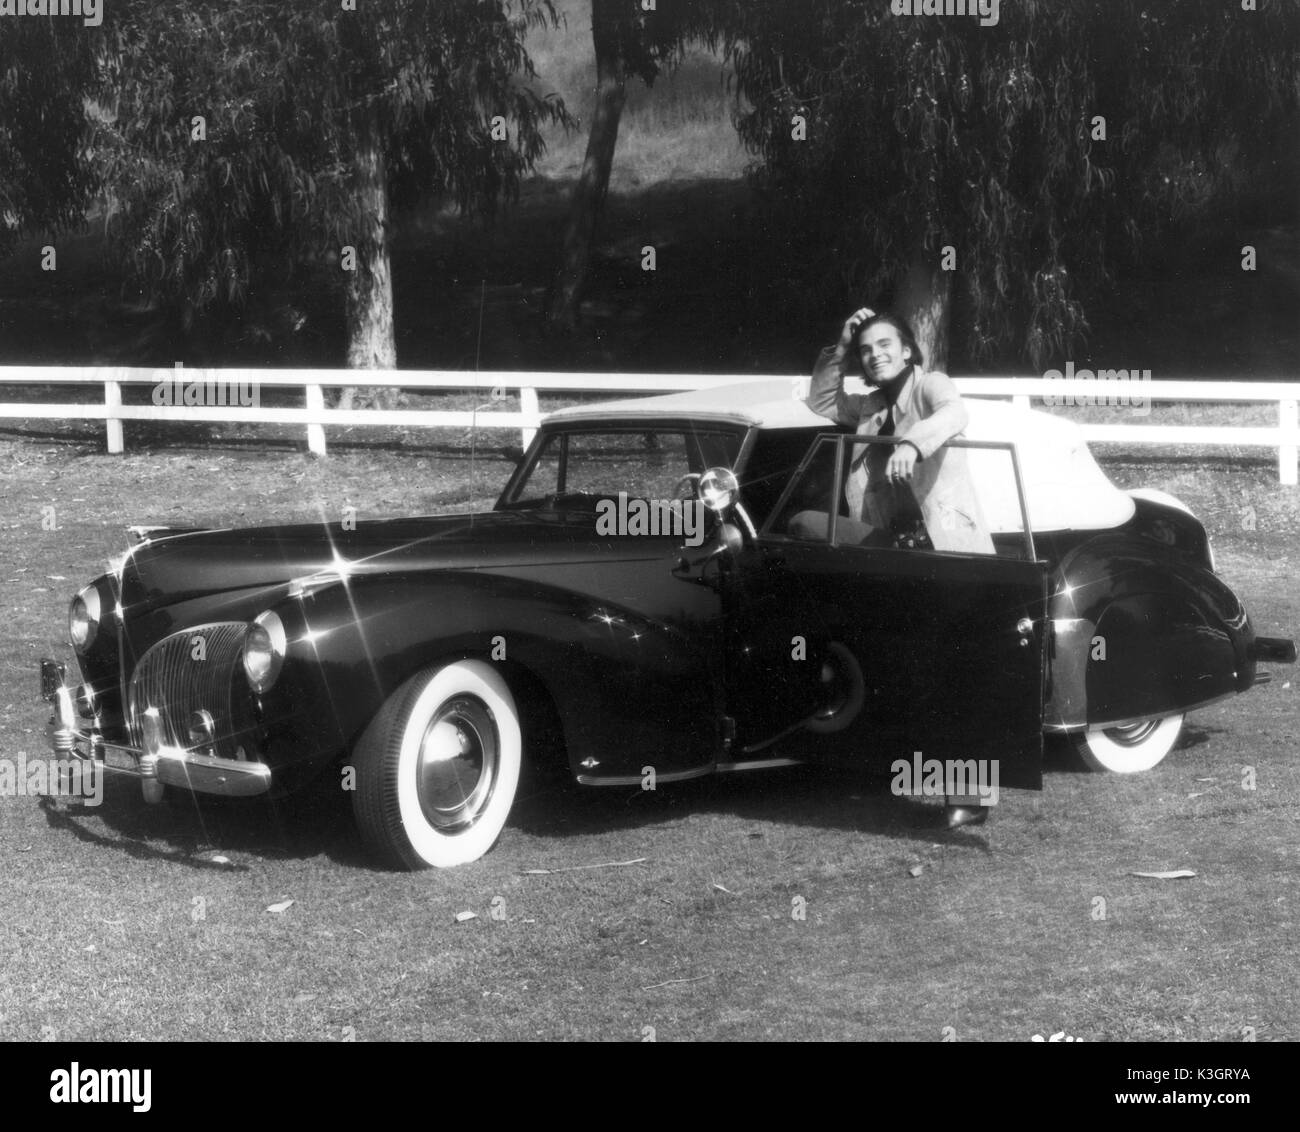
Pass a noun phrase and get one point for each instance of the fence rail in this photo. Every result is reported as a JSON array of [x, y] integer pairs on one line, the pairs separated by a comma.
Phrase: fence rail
[[1284, 437]]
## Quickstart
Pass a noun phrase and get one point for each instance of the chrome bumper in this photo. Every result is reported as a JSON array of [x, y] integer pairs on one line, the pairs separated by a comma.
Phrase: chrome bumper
[[1274, 650], [156, 764]]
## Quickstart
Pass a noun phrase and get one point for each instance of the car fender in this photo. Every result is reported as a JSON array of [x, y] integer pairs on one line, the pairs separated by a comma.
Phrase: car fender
[[1138, 632], [609, 671]]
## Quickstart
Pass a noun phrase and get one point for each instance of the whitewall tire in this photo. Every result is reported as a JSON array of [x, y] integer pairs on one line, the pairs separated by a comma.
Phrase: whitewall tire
[[1131, 749], [438, 768]]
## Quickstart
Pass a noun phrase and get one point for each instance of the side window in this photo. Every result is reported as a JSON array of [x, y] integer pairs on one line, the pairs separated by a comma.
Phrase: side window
[[803, 512], [963, 499], [775, 457], [646, 465], [996, 489], [544, 477], [937, 510]]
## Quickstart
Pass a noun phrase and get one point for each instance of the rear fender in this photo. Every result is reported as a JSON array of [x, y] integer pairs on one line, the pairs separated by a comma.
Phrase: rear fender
[[1140, 632]]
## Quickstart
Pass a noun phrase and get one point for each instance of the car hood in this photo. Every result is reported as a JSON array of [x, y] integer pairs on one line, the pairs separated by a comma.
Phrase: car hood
[[178, 565]]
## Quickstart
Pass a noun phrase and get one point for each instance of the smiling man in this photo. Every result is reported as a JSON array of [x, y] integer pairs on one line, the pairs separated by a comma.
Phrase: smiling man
[[890, 487], [916, 479]]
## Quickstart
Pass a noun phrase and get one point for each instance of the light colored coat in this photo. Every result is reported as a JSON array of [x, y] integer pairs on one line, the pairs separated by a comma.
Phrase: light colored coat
[[928, 413]]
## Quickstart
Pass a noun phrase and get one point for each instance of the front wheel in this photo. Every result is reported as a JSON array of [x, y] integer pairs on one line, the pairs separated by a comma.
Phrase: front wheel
[[1130, 749], [438, 768]]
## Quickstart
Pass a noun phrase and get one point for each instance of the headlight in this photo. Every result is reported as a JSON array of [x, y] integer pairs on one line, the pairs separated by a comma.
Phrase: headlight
[[264, 649], [83, 618]]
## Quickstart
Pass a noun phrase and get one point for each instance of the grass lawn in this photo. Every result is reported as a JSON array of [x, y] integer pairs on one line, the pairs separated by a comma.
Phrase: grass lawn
[[120, 923], [127, 921]]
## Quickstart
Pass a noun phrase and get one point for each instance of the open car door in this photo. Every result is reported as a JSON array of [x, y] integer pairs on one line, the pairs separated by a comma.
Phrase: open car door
[[935, 622]]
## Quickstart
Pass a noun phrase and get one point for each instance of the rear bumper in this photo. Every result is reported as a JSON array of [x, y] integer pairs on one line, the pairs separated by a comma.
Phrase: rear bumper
[[1274, 650], [153, 762]]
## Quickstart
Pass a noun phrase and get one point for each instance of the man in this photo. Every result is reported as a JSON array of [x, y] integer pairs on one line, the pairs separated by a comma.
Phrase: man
[[924, 411], [916, 478]]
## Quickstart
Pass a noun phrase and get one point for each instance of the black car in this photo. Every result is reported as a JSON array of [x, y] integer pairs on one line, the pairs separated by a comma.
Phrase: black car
[[637, 601]]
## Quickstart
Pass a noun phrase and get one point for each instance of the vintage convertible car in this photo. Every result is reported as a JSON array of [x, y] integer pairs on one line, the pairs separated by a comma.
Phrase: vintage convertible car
[[641, 600]]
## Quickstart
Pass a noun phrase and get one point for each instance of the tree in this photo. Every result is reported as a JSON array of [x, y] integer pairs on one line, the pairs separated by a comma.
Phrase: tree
[[629, 40], [43, 179], [242, 140], [1022, 161]]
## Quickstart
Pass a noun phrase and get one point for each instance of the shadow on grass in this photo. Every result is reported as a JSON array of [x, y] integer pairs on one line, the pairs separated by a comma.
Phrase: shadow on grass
[[184, 826], [816, 797], [186, 831], [319, 821]]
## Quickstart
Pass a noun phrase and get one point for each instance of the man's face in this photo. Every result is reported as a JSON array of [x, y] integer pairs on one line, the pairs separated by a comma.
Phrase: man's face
[[883, 355]]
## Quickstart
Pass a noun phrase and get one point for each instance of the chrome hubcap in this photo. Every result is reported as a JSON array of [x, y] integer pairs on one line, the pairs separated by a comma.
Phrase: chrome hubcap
[[836, 686], [1132, 734], [457, 767]]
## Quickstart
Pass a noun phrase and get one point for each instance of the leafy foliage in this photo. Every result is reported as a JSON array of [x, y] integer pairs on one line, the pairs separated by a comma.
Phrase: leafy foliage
[[292, 95], [43, 181], [927, 131], [650, 42]]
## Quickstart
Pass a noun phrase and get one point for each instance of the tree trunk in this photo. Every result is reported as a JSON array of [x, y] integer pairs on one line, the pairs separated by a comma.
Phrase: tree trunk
[[924, 301], [589, 194], [372, 339]]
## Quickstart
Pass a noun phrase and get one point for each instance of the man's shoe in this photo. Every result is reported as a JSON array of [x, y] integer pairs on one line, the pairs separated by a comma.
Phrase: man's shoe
[[959, 816]]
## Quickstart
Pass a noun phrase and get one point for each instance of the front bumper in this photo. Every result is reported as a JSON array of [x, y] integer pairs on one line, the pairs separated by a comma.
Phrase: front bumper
[[155, 763]]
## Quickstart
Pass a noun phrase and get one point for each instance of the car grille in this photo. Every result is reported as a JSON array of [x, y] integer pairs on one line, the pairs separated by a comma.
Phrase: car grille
[[170, 679]]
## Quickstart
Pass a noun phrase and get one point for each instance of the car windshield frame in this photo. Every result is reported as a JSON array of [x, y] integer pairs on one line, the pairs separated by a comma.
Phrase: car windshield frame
[[509, 500]]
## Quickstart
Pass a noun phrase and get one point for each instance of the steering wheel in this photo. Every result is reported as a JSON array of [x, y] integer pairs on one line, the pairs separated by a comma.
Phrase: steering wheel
[[566, 500], [691, 480]]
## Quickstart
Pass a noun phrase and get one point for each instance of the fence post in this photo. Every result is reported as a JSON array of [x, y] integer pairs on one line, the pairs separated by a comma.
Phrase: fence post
[[532, 410], [1288, 460], [315, 432], [112, 423]]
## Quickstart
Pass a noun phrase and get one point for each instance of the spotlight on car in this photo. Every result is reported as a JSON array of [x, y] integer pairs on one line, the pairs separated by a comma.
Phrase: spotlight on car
[[718, 489]]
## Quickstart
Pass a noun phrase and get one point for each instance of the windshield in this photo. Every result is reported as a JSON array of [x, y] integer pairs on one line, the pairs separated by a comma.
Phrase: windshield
[[574, 468]]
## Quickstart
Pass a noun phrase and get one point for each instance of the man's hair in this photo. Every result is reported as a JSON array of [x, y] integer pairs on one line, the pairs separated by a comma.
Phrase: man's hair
[[905, 336]]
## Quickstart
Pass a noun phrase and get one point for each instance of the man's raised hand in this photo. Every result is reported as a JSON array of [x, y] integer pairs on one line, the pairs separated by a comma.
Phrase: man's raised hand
[[851, 324]]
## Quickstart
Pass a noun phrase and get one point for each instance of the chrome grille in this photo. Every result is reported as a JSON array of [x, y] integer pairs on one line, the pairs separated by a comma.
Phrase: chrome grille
[[170, 679]]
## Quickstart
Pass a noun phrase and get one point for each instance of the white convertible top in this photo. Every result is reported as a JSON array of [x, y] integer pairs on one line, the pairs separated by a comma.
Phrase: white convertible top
[[1064, 487], [774, 402]]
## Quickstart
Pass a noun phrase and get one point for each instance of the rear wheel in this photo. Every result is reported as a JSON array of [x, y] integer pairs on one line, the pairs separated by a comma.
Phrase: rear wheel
[[438, 768], [1130, 749]]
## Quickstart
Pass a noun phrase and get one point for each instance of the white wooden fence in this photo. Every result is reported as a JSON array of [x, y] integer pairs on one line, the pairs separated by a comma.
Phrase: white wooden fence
[[1284, 437]]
